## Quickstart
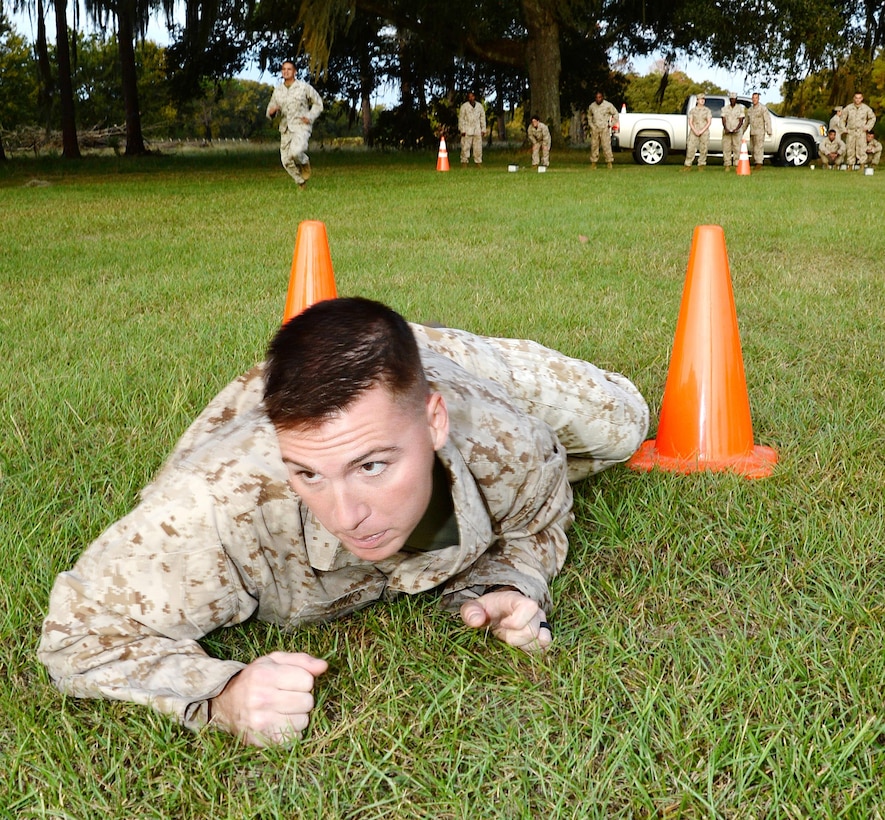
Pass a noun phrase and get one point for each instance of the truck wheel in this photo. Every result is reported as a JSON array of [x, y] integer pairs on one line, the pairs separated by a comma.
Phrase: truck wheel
[[650, 150], [796, 151]]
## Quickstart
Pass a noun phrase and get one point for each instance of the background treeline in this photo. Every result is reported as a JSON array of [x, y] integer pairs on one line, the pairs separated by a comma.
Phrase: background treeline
[[547, 56]]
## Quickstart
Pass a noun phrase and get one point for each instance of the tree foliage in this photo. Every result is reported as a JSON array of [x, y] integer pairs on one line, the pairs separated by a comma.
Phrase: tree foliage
[[643, 92], [544, 56], [19, 81]]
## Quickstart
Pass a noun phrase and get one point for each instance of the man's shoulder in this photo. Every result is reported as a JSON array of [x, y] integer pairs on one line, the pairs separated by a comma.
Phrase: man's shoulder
[[485, 420], [231, 446]]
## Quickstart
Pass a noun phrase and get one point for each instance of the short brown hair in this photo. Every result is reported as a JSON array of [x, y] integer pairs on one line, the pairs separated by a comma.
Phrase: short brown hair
[[325, 358]]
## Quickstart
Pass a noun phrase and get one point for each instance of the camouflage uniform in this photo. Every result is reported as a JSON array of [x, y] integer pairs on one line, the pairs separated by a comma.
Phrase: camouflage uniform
[[295, 102], [472, 125], [601, 117], [731, 132], [699, 117], [874, 152], [836, 123], [539, 137], [219, 536], [759, 125], [834, 146], [857, 120]]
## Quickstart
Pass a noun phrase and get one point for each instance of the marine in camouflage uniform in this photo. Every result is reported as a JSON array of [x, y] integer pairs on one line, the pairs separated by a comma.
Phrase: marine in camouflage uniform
[[601, 115], [832, 150], [220, 535], [699, 119], [539, 138], [472, 125], [759, 126], [874, 150], [298, 105], [836, 122], [857, 119], [733, 116]]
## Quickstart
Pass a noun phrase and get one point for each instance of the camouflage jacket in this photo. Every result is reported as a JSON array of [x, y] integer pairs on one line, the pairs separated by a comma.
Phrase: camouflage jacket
[[858, 117], [538, 134], [733, 117], [472, 119], [829, 146], [295, 102], [601, 115], [699, 119], [219, 536], [758, 120]]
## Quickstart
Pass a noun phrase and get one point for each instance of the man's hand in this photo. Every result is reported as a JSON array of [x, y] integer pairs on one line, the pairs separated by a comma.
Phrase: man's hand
[[512, 617], [269, 701]]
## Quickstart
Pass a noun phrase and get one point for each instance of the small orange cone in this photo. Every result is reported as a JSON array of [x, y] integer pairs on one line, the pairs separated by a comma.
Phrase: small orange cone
[[743, 169], [312, 279], [705, 415], [442, 160]]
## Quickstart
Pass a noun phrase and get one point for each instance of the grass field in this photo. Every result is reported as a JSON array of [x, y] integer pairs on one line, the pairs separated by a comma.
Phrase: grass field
[[719, 641]]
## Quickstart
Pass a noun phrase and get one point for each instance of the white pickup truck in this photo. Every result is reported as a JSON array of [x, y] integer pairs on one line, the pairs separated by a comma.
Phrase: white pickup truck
[[651, 137]]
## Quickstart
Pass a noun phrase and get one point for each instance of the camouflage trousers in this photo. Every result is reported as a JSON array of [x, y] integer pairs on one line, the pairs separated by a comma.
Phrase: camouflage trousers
[[471, 142], [697, 144], [856, 147], [757, 147], [731, 149], [600, 137], [600, 417], [293, 150]]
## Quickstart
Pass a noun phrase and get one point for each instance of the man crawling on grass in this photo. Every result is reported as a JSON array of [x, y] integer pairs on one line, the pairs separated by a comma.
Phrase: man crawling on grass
[[366, 458]]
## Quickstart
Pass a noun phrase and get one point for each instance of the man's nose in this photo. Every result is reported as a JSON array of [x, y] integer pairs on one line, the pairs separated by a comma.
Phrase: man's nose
[[351, 508]]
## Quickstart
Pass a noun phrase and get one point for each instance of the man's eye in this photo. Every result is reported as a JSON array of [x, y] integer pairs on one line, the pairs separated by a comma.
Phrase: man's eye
[[306, 477], [371, 468]]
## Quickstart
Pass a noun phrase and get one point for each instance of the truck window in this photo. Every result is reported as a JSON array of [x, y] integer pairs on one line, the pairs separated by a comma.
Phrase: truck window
[[715, 107]]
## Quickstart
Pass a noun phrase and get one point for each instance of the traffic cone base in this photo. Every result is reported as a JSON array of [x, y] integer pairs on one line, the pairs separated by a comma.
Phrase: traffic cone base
[[312, 279], [743, 169], [758, 463], [705, 414], [442, 159]]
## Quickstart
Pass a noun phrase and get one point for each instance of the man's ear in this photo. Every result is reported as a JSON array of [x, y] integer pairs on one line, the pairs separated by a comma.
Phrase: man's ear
[[437, 419]]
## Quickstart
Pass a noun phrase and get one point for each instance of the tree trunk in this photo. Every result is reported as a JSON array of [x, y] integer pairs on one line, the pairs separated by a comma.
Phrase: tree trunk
[[70, 147], [41, 47], [125, 43], [367, 84], [407, 100], [499, 112], [543, 63]]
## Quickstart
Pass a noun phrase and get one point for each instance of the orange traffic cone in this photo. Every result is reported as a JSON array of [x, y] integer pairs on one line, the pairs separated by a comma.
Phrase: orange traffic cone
[[442, 160], [312, 279], [705, 415], [743, 169]]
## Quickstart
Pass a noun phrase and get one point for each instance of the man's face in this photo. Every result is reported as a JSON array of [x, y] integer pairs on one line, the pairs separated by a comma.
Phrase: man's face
[[288, 71], [870, 137], [755, 99], [471, 97], [732, 100], [367, 474], [858, 99], [599, 97]]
